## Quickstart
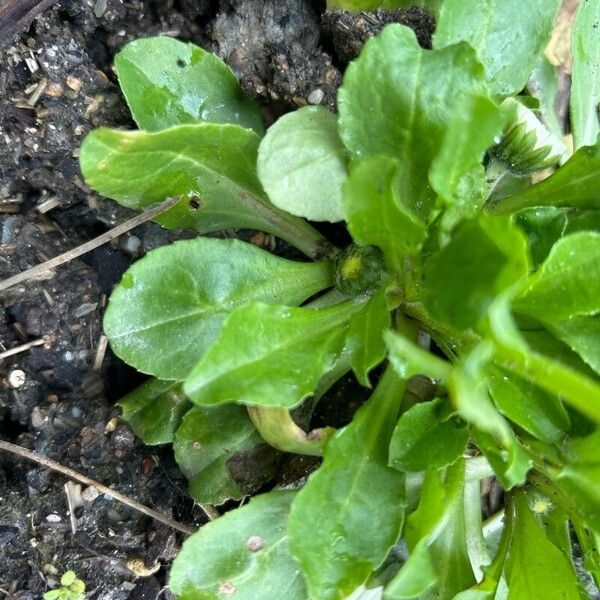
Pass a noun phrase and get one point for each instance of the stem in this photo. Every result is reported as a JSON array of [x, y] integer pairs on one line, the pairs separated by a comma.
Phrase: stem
[[278, 429]]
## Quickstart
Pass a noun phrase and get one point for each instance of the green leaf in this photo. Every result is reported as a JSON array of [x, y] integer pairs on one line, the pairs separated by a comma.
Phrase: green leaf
[[376, 213], [568, 283], [171, 304], [483, 258], [427, 436], [543, 227], [585, 86], [386, 100], [535, 568], [416, 577], [244, 552], [281, 356], [154, 410], [350, 512], [509, 48], [213, 163], [510, 461], [364, 340], [573, 185], [581, 334], [167, 82], [535, 410], [302, 164], [474, 125], [206, 441], [543, 85]]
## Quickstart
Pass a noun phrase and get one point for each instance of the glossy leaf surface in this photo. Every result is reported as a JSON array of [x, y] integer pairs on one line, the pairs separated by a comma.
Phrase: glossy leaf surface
[[207, 439], [214, 164], [281, 357], [244, 552], [568, 282], [386, 98], [171, 304], [154, 410], [427, 437], [508, 47], [350, 512], [375, 211], [167, 82], [302, 164]]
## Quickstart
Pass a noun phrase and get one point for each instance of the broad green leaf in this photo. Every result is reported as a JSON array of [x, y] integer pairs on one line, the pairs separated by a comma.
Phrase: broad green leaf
[[568, 283], [386, 100], [585, 86], [167, 82], [581, 334], [302, 164], [376, 213], [535, 568], [364, 340], [535, 410], [483, 258], [582, 220], [508, 47], [474, 125], [280, 358], [350, 512], [543, 226], [574, 185], [154, 410], [212, 164], [207, 439], [243, 554], [171, 304], [427, 436]]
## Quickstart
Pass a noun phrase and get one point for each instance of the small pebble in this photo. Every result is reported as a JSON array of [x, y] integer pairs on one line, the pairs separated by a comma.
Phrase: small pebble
[[316, 96], [74, 83], [53, 518], [16, 378]]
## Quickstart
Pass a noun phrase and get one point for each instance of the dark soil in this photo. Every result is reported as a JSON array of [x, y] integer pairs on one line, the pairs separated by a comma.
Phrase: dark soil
[[57, 398]]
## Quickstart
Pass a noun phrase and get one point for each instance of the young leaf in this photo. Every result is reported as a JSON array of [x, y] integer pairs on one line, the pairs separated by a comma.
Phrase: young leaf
[[302, 164], [475, 123], [382, 112], [543, 226], [215, 163], [364, 341], [534, 566], [167, 82], [535, 410], [244, 552], [573, 185], [483, 258], [509, 48], [375, 211], [154, 410], [350, 512], [170, 305], [207, 439], [281, 356], [585, 86], [427, 437], [568, 283]]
